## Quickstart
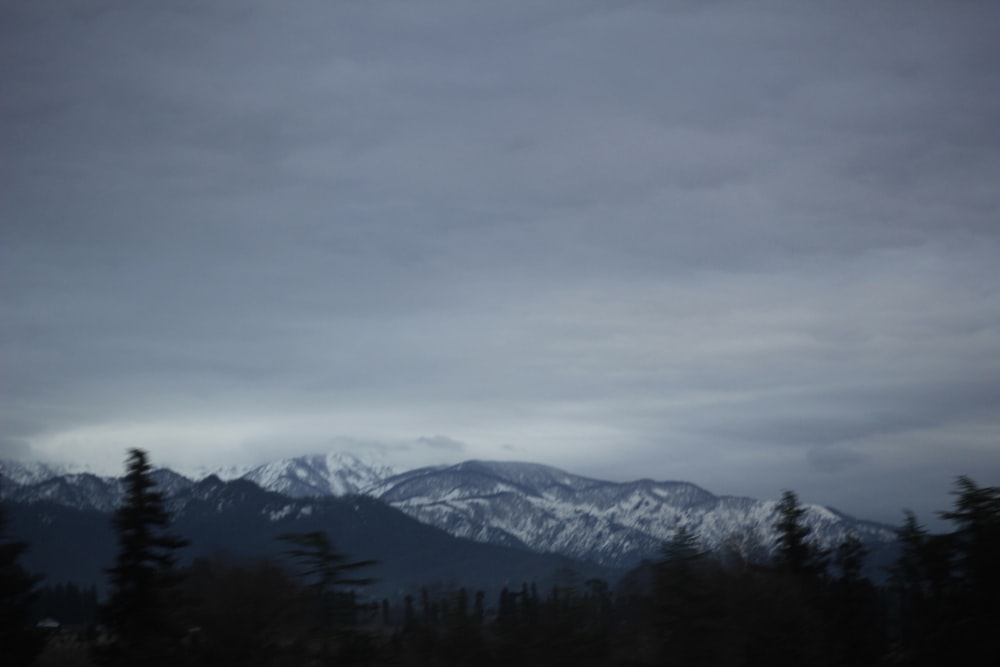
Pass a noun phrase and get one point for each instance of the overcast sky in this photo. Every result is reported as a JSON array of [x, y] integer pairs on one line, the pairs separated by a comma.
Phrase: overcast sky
[[751, 245]]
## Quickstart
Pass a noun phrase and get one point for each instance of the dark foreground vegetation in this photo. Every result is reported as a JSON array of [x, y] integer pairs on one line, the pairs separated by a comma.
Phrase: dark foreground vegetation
[[806, 606]]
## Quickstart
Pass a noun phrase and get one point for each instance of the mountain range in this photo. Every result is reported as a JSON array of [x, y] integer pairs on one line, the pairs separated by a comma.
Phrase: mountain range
[[524, 509]]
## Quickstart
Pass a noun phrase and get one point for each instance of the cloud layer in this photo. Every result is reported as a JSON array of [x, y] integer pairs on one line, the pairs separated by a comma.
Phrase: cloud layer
[[753, 245]]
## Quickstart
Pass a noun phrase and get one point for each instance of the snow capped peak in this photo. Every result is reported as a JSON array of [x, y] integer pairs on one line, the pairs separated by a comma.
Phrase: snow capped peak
[[34, 472], [509, 503], [26, 473], [331, 474], [614, 524], [224, 473]]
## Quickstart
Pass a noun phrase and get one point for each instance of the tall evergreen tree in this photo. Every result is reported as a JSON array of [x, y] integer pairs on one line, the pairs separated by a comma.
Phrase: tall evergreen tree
[[849, 558], [976, 543], [796, 554], [683, 551], [138, 613], [247, 614], [20, 642], [908, 572], [975, 567], [948, 584], [687, 607], [853, 606], [329, 574]]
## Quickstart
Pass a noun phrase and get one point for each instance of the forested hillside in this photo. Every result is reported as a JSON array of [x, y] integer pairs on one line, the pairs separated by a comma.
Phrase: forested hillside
[[311, 603]]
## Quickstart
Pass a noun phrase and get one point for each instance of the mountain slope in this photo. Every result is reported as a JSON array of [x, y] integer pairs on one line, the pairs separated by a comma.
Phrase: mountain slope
[[240, 518], [521, 505], [21, 473], [83, 491], [614, 524], [333, 474]]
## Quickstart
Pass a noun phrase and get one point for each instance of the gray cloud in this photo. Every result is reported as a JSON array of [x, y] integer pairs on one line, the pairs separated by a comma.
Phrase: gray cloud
[[442, 442], [834, 459], [746, 243]]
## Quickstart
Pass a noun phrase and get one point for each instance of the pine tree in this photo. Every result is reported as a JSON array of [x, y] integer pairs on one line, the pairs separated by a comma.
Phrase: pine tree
[[20, 642], [247, 613], [796, 555], [910, 575], [853, 607], [974, 555], [328, 573], [683, 551], [687, 607], [976, 543], [849, 558], [478, 609], [138, 613]]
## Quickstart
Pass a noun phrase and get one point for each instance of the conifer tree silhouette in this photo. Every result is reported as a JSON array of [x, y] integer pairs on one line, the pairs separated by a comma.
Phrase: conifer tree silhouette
[[19, 640], [138, 613], [795, 554]]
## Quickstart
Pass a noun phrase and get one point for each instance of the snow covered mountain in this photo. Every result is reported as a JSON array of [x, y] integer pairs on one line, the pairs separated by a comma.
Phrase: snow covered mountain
[[334, 474], [237, 517], [82, 491], [85, 491], [522, 505], [20, 473], [614, 524]]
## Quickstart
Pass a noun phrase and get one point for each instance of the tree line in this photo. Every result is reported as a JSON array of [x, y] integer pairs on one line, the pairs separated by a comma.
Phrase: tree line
[[804, 606]]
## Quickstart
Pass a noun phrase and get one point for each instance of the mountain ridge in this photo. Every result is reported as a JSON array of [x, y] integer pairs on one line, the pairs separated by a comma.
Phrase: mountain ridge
[[237, 518], [509, 503]]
